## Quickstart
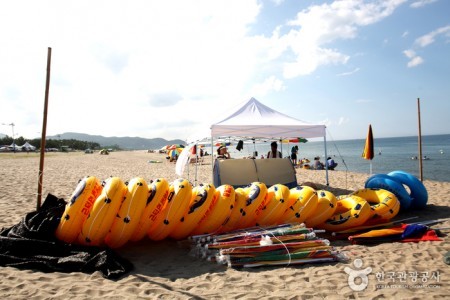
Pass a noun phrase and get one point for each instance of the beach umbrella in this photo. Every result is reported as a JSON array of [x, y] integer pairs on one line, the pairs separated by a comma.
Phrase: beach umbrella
[[368, 147], [223, 144], [295, 140], [173, 153], [173, 147]]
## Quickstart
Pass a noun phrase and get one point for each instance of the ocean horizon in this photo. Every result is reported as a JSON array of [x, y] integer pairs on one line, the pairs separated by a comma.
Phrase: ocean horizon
[[391, 154]]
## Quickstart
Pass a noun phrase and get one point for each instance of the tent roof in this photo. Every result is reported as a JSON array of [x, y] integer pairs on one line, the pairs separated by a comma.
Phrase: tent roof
[[258, 120], [28, 145]]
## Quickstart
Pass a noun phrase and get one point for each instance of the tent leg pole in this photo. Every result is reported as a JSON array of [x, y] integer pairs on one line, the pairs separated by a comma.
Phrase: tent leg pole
[[212, 160], [326, 156]]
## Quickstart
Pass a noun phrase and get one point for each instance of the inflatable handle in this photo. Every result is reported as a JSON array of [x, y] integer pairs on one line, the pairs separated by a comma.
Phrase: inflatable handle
[[418, 193], [383, 181]]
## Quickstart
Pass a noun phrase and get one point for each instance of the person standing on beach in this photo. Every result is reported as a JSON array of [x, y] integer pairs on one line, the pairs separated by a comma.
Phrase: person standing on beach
[[274, 153], [294, 152]]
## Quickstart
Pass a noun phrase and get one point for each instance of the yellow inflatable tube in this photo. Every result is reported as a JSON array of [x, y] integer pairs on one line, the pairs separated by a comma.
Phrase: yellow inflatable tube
[[156, 201], [326, 206], [78, 209], [304, 202], [255, 201], [350, 212], [238, 212], [180, 192], [202, 196], [382, 202], [103, 213], [129, 213], [218, 212], [277, 202]]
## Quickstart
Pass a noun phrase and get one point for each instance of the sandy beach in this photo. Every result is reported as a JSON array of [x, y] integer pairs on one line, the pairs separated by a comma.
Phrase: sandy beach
[[164, 270]]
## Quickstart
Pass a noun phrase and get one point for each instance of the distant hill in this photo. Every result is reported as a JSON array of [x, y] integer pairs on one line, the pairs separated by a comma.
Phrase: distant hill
[[127, 143]]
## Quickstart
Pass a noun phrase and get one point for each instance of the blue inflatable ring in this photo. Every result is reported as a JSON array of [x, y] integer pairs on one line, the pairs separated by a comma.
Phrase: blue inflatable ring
[[383, 181], [418, 192]]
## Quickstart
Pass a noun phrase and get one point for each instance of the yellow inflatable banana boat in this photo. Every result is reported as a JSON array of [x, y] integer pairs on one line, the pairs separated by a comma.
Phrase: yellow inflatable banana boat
[[180, 192], [304, 202], [202, 196], [78, 208], [350, 212], [277, 202], [326, 206], [156, 201], [218, 212], [103, 213], [129, 213]]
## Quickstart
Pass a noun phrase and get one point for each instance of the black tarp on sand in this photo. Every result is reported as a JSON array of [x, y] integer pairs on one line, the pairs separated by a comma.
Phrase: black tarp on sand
[[31, 244]]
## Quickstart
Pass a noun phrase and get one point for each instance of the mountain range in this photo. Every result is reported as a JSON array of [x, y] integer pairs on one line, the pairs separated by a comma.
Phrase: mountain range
[[127, 143]]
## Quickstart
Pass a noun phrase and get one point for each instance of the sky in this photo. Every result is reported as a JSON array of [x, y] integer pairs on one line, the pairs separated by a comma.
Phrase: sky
[[169, 69]]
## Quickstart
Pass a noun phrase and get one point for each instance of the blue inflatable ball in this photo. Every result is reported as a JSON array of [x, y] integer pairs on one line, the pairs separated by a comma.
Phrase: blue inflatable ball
[[418, 192], [386, 182]]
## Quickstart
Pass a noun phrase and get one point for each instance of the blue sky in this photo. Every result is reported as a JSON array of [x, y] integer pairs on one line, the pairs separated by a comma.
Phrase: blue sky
[[172, 68]]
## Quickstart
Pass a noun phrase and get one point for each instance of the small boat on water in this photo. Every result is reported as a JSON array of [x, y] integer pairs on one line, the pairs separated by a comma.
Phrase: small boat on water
[[423, 158]]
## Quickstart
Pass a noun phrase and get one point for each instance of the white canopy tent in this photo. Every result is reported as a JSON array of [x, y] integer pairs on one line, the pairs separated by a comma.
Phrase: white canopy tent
[[253, 119], [28, 147]]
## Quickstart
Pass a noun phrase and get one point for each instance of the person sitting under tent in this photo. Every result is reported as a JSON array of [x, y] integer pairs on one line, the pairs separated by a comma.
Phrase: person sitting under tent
[[274, 153], [331, 164], [222, 153]]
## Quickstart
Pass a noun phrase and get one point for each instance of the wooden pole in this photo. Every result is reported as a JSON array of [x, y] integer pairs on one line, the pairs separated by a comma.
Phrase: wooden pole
[[44, 130], [420, 141]]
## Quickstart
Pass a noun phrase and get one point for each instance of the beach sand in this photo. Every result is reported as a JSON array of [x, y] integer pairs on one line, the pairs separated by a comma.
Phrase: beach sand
[[164, 270]]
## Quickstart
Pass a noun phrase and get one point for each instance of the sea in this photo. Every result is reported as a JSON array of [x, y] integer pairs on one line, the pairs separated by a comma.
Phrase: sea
[[396, 153]]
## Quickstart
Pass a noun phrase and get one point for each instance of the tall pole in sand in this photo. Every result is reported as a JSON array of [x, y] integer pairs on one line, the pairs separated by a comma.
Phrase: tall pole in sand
[[420, 141], [44, 129]]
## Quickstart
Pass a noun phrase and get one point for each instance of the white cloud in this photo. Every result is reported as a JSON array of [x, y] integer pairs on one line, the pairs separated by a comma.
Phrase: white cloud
[[316, 27], [270, 84], [119, 68], [277, 2], [430, 38], [415, 61], [405, 34], [422, 42], [409, 53], [160, 68], [421, 3], [349, 73], [343, 120]]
